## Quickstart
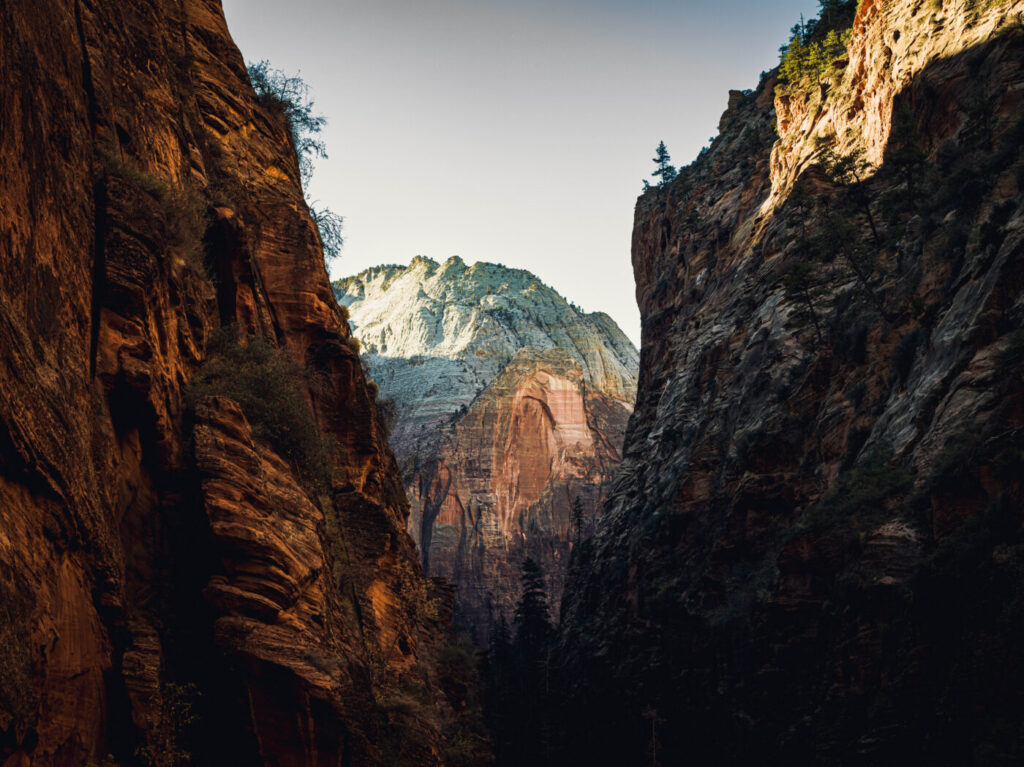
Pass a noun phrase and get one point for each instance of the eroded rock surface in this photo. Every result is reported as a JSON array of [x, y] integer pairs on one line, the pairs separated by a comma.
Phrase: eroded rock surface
[[812, 551], [510, 404], [169, 585]]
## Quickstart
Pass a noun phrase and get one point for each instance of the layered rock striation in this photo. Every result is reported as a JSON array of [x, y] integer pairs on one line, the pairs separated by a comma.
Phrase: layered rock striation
[[812, 552], [510, 403], [172, 586]]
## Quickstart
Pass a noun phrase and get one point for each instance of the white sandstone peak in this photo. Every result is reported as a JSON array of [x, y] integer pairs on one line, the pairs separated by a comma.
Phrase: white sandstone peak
[[436, 335]]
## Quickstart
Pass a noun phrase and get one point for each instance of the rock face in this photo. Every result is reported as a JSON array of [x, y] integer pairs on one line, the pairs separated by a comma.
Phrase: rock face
[[812, 552], [510, 403], [170, 584]]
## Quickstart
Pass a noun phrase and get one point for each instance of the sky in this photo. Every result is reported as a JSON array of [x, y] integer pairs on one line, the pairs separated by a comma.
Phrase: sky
[[510, 131]]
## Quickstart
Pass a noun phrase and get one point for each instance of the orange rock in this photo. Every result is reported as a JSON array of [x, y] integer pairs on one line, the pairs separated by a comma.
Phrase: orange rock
[[503, 488], [156, 566]]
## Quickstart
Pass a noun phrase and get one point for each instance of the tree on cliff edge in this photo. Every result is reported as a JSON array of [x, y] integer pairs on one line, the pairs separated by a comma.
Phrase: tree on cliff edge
[[288, 96], [665, 171]]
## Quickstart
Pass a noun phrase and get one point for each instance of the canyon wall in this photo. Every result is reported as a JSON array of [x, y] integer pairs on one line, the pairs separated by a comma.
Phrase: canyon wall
[[510, 404], [812, 552], [173, 586]]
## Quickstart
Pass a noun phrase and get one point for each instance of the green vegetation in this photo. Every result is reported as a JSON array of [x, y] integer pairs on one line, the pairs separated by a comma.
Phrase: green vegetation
[[806, 62], [409, 710], [407, 718], [329, 225], [520, 676], [135, 177], [271, 389], [409, 713], [862, 495], [288, 96], [466, 738], [181, 210], [816, 45], [665, 172], [172, 732]]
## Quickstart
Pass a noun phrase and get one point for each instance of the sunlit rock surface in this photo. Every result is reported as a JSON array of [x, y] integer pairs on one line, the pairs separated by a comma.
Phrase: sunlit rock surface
[[510, 403], [812, 552], [171, 590]]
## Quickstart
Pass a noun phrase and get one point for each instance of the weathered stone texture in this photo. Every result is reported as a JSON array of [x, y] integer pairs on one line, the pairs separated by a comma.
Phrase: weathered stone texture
[[155, 559], [510, 403], [810, 552]]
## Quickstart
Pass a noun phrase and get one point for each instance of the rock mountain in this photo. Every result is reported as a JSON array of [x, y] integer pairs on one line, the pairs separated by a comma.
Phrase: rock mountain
[[510, 403], [813, 551], [203, 556]]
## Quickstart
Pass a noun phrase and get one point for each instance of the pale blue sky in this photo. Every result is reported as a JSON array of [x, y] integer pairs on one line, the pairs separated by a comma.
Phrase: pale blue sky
[[512, 131]]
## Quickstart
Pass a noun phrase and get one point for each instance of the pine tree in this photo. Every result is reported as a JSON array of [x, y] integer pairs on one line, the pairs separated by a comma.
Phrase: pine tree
[[533, 622], [529, 685], [814, 46], [577, 518], [804, 286], [501, 694], [665, 170], [499, 646], [836, 14]]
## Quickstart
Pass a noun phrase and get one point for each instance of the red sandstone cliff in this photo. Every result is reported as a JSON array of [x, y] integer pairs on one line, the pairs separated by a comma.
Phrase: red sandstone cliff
[[510, 404], [502, 486], [168, 583]]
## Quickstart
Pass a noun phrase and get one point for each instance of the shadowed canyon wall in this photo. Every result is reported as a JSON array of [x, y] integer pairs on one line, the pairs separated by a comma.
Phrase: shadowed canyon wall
[[170, 584], [812, 552], [510, 403]]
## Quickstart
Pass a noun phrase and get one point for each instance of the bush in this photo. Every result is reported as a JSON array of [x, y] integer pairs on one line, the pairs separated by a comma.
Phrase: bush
[[135, 177], [183, 208], [861, 494], [270, 388], [289, 97], [817, 44], [466, 737], [185, 216], [329, 225]]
